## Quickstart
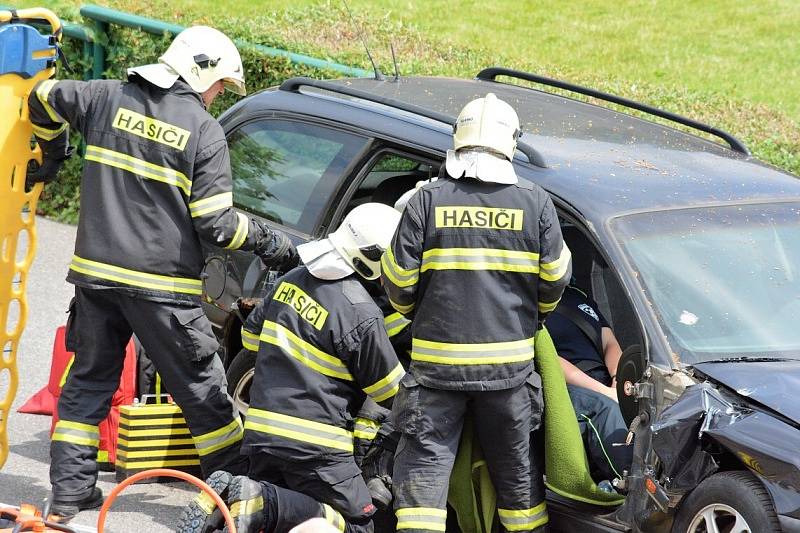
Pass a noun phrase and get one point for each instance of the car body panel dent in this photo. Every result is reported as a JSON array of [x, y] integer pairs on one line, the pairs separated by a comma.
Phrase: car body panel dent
[[779, 392], [676, 438], [683, 434]]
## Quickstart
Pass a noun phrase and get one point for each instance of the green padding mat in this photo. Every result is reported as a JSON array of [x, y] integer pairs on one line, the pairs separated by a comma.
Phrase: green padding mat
[[471, 492]]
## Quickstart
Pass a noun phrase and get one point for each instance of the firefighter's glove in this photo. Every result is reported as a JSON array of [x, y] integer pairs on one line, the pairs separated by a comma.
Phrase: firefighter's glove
[[276, 250], [54, 153], [377, 471]]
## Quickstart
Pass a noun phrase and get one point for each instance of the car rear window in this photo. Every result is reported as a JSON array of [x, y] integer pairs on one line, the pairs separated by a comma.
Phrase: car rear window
[[285, 170]]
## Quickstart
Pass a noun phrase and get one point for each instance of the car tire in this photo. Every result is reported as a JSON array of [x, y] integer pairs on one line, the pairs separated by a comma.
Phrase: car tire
[[240, 377], [730, 499]]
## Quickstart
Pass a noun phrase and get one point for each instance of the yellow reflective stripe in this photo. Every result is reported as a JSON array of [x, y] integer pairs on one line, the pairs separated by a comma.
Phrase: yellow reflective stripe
[[88, 428], [396, 274], [517, 513], [395, 323], [480, 259], [247, 507], [102, 456], [304, 352], [66, 371], [249, 340], [546, 307], [421, 518], [555, 270], [299, 429], [489, 353], [241, 232], [524, 519], [211, 204], [405, 309], [333, 517], [42, 93], [135, 278], [139, 167], [494, 252], [73, 439], [47, 134], [76, 433], [365, 429], [218, 439], [387, 387]]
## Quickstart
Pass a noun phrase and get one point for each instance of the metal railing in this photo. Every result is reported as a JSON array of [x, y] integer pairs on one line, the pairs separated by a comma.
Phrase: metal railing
[[94, 37]]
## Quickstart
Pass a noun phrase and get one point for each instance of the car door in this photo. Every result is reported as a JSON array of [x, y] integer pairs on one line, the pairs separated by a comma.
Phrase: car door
[[284, 172]]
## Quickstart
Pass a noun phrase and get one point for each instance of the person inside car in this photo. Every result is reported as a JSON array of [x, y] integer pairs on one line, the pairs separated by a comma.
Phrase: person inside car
[[589, 354]]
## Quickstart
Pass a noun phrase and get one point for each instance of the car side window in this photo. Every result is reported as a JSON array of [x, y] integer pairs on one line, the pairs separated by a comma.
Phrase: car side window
[[389, 176], [285, 170], [592, 274]]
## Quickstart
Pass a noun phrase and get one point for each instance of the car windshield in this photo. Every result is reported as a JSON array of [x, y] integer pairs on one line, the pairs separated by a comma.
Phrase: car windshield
[[723, 281]]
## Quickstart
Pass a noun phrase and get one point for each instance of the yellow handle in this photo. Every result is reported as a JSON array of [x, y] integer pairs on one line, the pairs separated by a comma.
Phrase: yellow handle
[[36, 13]]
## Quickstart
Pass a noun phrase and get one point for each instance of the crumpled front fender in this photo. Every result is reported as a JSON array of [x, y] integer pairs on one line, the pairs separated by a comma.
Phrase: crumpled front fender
[[764, 444]]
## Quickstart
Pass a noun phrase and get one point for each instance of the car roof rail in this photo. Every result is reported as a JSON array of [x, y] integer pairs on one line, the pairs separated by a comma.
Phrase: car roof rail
[[491, 73], [294, 85]]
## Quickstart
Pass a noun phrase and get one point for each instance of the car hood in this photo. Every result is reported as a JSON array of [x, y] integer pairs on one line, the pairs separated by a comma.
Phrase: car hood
[[773, 384]]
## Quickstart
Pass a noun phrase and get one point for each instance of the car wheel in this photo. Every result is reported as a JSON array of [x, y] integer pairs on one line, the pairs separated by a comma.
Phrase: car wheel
[[728, 502], [240, 377]]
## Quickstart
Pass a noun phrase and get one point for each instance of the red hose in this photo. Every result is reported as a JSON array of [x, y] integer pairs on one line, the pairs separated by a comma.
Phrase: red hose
[[164, 472]]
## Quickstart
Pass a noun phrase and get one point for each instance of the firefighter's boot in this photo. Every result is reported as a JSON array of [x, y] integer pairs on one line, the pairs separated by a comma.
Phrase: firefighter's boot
[[246, 502], [66, 510], [202, 515]]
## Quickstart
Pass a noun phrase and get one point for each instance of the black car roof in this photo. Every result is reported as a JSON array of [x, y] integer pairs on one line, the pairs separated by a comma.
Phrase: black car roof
[[601, 161]]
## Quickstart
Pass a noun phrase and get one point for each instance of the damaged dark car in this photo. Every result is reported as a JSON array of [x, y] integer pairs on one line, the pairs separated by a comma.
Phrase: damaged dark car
[[722, 282], [689, 245]]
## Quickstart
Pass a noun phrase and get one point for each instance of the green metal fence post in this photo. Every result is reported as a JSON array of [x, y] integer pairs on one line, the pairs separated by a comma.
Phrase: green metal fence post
[[88, 53], [99, 49]]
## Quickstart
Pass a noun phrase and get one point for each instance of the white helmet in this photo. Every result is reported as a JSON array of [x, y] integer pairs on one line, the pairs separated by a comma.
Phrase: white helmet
[[365, 233], [487, 123], [201, 56]]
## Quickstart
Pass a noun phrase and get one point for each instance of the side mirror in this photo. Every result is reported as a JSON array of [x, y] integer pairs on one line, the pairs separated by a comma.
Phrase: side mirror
[[214, 276], [629, 371]]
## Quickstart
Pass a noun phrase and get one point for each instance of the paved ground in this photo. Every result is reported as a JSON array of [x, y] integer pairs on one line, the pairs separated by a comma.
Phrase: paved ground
[[153, 507]]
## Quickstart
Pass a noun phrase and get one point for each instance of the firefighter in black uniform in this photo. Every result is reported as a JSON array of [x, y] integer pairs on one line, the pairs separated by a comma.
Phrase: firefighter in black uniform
[[322, 351], [156, 181], [479, 261]]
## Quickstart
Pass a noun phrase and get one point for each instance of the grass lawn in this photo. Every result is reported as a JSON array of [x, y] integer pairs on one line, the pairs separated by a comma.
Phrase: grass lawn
[[745, 49], [730, 63]]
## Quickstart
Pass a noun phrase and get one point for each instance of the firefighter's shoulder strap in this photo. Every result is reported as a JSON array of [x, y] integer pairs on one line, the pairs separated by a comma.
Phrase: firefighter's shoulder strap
[[26, 58]]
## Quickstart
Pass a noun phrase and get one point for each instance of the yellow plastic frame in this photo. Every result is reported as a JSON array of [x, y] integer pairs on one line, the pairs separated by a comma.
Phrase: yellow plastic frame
[[17, 217]]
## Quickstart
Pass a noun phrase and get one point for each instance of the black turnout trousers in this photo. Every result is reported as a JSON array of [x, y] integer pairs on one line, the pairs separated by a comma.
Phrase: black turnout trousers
[[179, 340], [328, 487], [504, 421]]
